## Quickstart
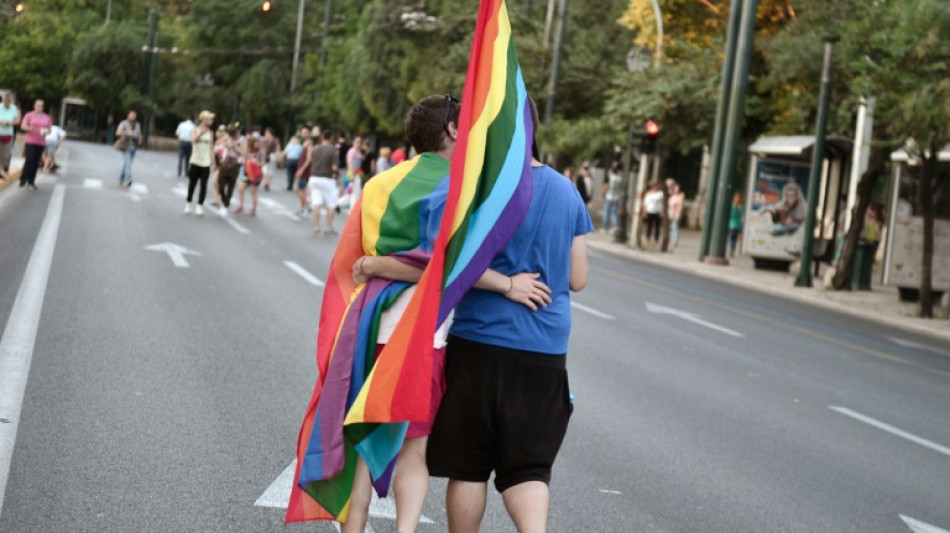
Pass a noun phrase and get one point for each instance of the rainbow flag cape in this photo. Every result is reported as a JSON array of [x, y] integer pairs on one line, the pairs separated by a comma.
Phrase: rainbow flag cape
[[488, 194]]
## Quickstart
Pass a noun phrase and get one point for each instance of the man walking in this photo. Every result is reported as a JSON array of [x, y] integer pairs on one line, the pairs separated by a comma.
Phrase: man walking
[[131, 131], [323, 187], [9, 120], [183, 131]]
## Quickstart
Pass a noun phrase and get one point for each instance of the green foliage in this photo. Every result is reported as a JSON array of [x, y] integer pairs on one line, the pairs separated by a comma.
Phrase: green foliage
[[107, 66]]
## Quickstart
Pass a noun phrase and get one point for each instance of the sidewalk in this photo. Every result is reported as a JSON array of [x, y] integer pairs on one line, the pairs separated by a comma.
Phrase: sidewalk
[[881, 304]]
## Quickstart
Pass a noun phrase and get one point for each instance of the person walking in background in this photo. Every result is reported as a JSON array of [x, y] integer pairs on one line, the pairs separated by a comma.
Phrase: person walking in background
[[735, 222], [9, 120], [228, 164], [183, 131], [131, 131], [202, 159], [400, 154], [653, 207], [324, 188], [354, 162], [674, 209], [383, 162], [302, 172], [270, 146], [36, 124], [611, 194], [253, 161], [54, 139], [291, 156]]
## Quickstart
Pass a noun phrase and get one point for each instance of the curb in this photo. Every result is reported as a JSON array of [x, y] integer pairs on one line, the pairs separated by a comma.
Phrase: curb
[[930, 328]]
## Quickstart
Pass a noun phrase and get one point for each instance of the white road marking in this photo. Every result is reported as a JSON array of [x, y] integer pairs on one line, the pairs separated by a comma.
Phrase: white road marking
[[277, 496], [278, 208], [175, 252], [180, 191], [139, 188], [236, 225], [302, 272], [695, 319], [921, 527], [605, 491], [591, 310], [891, 429], [911, 344], [135, 198], [168, 174], [19, 337], [90, 183], [6, 194]]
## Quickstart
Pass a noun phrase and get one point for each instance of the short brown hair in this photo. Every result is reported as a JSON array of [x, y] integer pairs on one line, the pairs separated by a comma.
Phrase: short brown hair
[[424, 122]]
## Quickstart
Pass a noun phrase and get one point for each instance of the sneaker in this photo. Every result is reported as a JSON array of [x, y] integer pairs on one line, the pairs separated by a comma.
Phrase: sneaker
[[199, 211], [22, 184], [331, 231], [188, 208], [223, 212], [32, 186], [252, 212], [238, 210], [316, 229]]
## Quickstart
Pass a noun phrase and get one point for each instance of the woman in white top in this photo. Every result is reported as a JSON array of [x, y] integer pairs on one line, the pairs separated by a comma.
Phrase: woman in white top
[[202, 161], [653, 207]]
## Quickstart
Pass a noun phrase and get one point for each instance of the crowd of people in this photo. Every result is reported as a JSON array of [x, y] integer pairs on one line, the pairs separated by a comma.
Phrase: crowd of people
[[324, 169], [653, 201]]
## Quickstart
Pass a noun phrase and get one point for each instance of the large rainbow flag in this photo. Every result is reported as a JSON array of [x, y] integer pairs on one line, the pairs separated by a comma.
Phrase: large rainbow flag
[[486, 197]]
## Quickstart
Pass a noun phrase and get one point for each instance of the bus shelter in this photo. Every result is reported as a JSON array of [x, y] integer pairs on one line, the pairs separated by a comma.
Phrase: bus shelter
[[903, 253], [776, 200]]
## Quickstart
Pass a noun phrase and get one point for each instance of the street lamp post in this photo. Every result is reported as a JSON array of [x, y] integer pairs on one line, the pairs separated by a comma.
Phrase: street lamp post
[[293, 72]]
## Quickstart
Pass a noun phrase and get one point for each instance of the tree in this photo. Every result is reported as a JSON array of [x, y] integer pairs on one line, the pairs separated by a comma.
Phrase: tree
[[106, 67]]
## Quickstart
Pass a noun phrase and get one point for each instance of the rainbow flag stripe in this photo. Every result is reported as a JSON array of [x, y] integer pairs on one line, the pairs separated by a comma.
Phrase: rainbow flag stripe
[[489, 194]]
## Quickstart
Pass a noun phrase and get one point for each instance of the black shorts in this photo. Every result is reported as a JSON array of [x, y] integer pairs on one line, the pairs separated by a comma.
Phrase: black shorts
[[504, 410]]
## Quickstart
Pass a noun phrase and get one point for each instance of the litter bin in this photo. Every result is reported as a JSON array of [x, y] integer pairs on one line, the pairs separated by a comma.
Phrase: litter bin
[[863, 262]]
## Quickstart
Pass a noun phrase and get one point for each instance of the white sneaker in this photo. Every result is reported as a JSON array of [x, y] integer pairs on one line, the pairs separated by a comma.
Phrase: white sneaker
[[188, 208], [199, 211], [223, 212]]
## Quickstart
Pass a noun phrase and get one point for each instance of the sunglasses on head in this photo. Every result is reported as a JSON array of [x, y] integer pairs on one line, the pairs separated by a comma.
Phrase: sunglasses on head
[[448, 109]]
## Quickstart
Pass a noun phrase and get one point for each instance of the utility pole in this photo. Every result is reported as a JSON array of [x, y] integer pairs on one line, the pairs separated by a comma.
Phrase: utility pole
[[817, 156], [293, 72], [152, 67], [109, 11], [719, 133], [556, 61], [727, 167]]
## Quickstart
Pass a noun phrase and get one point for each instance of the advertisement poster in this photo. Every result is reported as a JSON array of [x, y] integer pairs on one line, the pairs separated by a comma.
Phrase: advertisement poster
[[908, 250], [777, 209]]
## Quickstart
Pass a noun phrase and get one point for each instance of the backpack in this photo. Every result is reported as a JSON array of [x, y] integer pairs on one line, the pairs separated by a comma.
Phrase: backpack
[[228, 157]]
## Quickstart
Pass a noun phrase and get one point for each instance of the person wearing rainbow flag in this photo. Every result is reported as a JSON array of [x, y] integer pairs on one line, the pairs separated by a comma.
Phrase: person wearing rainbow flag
[[398, 208], [507, 402]]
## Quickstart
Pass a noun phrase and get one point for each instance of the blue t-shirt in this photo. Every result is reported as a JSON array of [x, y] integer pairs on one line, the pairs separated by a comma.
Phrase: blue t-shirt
[[541, 244]]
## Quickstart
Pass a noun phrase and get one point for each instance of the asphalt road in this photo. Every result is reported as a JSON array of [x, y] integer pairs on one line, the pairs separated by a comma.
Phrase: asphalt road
[[167, 398]]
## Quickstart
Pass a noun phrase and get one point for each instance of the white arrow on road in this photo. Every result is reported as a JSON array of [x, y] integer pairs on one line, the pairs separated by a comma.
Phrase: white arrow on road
[[277, 495], [921, 527], [695, 319], [175, 252]]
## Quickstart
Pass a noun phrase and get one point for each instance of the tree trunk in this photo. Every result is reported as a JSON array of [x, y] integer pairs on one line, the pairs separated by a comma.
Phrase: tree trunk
[[925, 198], [843, 270]]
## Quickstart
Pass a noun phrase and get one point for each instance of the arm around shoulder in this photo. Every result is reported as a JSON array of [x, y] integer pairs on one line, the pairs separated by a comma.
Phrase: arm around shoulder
[[578, 270]]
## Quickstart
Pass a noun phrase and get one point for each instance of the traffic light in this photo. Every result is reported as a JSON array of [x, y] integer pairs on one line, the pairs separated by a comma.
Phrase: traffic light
[[652, 134], [266, 6]]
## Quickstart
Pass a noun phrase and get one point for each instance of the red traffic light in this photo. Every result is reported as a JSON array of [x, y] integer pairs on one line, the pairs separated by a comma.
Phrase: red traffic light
[[652, 128]]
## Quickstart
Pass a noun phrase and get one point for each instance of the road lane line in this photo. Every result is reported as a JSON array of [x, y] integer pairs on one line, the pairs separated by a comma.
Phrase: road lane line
[[891, 429], [302, 272], [921, 527], [777, 323], [591, 310], [236, 225], [19, 337], [90, 183], [691, 317]]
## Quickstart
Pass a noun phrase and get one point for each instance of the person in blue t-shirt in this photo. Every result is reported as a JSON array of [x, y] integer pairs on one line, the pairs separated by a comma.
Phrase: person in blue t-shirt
[[507, 401]]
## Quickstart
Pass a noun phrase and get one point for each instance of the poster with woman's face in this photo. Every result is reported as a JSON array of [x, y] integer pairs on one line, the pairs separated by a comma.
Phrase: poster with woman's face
[[777, 210]]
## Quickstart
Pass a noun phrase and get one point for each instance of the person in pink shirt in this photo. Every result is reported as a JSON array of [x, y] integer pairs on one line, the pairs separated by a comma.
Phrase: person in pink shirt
[[36, 124]]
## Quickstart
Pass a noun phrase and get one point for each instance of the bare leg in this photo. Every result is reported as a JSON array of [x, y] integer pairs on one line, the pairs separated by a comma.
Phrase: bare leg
[[254, 198], [465, 505], [359, 500], [527, 505], [241, 187], [410, 484], [302, 195], [316, 218], [330, 214]]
